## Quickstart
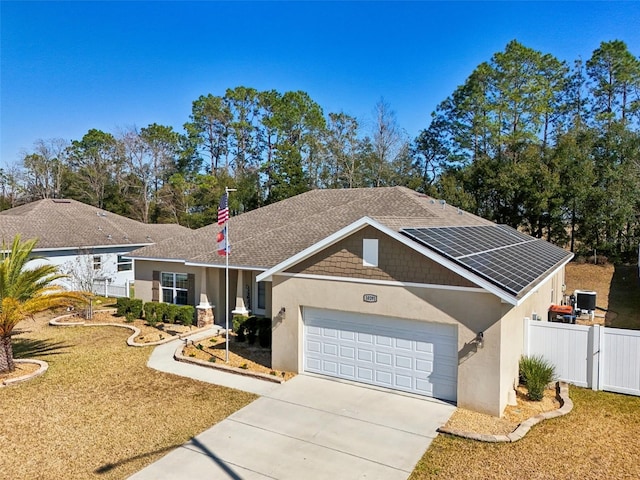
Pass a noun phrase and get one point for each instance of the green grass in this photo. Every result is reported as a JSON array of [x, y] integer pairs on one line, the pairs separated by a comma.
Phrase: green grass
[[99, 411], [624, 297], [598, 439]]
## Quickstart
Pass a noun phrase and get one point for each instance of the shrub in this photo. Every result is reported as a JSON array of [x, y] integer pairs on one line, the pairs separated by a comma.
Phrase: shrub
[[251, 326], [150, 313], [131, 306], [161, 311], [185, 315], [122, 306], [135, 307], [128, 317], [239, 327], [536, 373], [264, 332]]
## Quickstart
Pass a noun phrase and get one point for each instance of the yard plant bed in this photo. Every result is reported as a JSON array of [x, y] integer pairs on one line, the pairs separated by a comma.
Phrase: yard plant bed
[[597, 439], [469, 421], [99, 412], [148, 334], [252, 358]]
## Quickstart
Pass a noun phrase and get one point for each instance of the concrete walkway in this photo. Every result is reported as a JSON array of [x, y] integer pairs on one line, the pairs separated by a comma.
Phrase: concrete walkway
[[309, 427]]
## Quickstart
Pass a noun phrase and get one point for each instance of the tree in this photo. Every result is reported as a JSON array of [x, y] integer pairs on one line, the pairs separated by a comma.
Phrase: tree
[[96, 164], [209, 128], [44, 168], [25, 291], [614, 74]]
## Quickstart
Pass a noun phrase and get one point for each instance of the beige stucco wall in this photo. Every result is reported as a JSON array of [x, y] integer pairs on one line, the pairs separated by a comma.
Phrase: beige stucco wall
[[512, 329], [479, 370]]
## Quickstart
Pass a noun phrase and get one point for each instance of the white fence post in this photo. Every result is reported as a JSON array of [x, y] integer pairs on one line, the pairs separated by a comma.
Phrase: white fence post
[[595, 358], [127, 288]]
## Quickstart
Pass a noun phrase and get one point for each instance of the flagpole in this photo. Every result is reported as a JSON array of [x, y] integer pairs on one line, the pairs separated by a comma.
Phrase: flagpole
[[227, 252]]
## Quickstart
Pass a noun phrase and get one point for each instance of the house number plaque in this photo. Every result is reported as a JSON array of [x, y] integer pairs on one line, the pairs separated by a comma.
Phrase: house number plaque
[[370, 298]]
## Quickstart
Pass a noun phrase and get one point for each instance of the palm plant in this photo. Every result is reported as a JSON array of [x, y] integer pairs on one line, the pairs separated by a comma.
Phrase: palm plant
[[25, 291]]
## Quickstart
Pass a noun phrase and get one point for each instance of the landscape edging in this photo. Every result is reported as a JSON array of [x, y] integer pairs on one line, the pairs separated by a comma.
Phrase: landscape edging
[[566, 405], [131, 339], [178, 356], [43, 368]]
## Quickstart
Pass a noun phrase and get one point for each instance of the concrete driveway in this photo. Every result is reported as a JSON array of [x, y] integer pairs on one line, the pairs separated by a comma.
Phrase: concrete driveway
[[311, 428]]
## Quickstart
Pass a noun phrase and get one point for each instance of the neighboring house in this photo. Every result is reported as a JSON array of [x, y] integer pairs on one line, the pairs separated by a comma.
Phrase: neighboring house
[[85, 242], [383, 286]]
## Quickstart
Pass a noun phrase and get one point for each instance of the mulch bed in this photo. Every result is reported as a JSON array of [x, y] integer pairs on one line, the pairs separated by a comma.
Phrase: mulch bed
[[241, 355], [469, 421]]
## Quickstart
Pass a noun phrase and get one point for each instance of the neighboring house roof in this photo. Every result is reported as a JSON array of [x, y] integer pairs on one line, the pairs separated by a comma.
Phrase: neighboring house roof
[[63, 224]]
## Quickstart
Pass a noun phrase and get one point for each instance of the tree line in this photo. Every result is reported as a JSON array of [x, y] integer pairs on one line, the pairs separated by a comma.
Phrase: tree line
[[527, 140]]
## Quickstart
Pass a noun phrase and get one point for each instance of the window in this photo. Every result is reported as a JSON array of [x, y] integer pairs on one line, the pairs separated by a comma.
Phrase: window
[[97, 262], [124, 264], [370, 252], [174, 288], [262, 296]]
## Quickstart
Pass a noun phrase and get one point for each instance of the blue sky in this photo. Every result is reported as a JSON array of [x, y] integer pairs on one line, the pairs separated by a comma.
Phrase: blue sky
[[67, 67]]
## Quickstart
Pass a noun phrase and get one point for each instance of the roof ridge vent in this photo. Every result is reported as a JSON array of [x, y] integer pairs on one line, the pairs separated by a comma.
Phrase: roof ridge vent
[[443, 203]]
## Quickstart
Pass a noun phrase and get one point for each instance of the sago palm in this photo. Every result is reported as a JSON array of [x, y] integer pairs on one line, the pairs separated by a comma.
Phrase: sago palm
[[25, 291]]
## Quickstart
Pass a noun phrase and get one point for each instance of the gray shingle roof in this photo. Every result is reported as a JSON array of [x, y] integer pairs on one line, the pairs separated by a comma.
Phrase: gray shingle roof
[[267, 236], [71, 224]]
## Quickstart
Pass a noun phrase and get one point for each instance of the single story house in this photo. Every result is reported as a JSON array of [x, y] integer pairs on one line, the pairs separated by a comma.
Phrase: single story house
[[85, 242], [384, 286]]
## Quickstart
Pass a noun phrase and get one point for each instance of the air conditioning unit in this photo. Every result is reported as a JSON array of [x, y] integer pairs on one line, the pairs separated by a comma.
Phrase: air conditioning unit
[[585, 300]]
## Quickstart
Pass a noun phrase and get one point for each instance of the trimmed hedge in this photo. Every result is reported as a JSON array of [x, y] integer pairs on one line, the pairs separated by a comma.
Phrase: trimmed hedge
[[129, 307], [155, 312]]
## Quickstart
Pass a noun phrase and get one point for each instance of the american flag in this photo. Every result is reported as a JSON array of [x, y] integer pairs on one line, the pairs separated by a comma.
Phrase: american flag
[[223, 210]]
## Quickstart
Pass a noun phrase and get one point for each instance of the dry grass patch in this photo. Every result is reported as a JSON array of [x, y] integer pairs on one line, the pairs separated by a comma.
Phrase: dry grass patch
[[241, 355], [617, 289], [598, 439], [99, 412]]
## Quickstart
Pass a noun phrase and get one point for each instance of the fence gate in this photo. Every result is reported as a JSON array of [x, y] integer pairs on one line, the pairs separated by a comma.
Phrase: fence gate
[[596, 357]]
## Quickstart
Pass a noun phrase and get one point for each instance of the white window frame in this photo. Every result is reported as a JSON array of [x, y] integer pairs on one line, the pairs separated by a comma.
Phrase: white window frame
[[255, 297], [370, 252], [96, 262], [122, 262], [173, 288]]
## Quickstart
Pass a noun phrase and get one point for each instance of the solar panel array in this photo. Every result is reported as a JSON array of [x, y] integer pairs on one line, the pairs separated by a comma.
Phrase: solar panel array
[[500, 254]]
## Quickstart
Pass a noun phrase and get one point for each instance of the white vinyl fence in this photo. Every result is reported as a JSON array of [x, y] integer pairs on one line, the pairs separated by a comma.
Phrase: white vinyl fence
[[596, 357], [108, 289]]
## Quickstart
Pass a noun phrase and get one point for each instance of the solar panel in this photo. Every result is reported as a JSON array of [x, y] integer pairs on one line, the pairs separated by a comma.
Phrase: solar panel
[[509, 259]]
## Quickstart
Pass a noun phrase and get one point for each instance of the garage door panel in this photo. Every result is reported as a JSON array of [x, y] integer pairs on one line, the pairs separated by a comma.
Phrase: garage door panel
[[365, 355], [347, 352], [347, 371], [330, 349], [384, 359], [383, 378], [365, 375], [331, 368], [407, 355], [403, 362]]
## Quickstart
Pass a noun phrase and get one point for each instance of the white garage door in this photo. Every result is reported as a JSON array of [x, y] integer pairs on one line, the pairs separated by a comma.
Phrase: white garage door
[[416, 357]]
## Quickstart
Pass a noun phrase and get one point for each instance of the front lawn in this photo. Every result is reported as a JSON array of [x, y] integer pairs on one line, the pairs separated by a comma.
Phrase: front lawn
[[99, 411], [598, 439]]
